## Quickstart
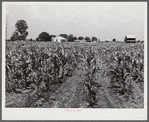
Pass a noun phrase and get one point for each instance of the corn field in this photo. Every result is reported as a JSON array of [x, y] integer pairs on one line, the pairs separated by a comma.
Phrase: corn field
[[74, 75]]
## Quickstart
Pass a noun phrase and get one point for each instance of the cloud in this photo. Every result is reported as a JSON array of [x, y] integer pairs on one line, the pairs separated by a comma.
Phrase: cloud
[[105, 19], [36, 13]]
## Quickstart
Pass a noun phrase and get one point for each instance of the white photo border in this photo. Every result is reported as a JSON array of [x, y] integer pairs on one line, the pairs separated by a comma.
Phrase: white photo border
[[71, 114]]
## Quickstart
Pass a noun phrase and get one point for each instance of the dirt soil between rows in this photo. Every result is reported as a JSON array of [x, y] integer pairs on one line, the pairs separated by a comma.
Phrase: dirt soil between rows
[[71, 94]]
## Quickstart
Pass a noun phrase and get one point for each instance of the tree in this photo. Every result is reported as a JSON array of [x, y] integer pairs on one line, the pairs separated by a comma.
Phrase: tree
[[8, 40], [53, 36], [37, 39], [23, 36], [70, 38], [64, 35], [138, 40], [87, 38], [80, 37], [14, 36], [94, 39], [74, 38], [114, 40], [20, 32], [44, 36]]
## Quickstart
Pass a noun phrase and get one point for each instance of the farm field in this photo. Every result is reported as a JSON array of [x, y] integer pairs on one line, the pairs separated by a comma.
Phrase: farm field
[[74, 75]]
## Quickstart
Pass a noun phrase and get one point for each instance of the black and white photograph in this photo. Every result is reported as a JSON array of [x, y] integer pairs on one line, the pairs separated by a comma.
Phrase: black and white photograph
[[72, 60]]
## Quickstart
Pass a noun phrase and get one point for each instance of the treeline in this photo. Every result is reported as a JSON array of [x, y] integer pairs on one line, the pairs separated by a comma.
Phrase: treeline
[[44, 36], [21, 33]]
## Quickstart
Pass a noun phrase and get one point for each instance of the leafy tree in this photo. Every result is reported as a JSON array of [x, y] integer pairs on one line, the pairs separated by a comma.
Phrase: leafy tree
[[8, 40], [21, 26], [138, 40], [87, 38], [64, 35], [70, 38], [94, 39], [14, 36], [80, 37], [37, 39], [20, 32], [53, 36], [23, 36], [44, 36], [74, 38], [114, 40]]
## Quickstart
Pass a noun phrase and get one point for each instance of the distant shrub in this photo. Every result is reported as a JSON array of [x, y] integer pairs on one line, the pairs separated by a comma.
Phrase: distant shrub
[[94, 39], [87, 39], [114, 40], [44, 36], [80, 37]]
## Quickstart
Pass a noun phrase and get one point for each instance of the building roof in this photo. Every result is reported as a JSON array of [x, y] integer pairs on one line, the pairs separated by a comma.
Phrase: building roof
[[60, 37], [130, 36]]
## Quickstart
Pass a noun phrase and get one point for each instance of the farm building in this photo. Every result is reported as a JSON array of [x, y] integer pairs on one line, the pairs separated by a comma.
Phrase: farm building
[[76, 40], [94, 41], [130, 39], [82, 41], [88, 40], [58, 39], [106, 40]]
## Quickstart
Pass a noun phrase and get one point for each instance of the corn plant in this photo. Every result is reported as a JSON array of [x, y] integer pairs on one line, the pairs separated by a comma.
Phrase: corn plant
[[119, 73], [89, 84], [124, 71], [61, 60]]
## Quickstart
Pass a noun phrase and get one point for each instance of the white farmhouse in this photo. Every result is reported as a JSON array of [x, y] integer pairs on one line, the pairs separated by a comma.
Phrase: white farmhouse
[[58, 39]]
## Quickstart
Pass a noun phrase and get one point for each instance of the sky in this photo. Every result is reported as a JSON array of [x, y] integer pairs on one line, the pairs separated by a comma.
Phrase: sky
[[104, 20]]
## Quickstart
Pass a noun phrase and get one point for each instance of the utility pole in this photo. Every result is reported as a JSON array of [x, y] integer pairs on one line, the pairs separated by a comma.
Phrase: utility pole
[[6, 27]]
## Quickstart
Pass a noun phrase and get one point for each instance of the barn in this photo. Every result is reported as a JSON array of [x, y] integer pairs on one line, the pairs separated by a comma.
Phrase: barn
[[130, 39], [59, 39]]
